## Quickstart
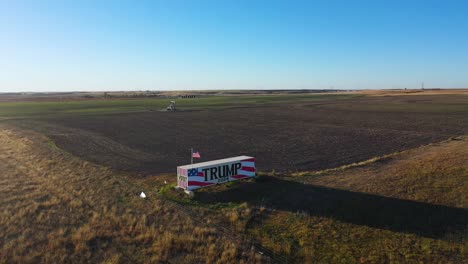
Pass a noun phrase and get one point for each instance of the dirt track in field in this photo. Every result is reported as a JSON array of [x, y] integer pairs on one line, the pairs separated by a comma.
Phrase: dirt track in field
[[282, 137]]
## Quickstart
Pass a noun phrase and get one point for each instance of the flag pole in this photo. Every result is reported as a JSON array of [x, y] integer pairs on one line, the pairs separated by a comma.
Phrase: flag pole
[[191, 155]]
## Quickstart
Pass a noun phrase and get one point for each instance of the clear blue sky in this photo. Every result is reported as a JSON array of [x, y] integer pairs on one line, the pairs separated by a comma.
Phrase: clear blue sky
[[161, 45]]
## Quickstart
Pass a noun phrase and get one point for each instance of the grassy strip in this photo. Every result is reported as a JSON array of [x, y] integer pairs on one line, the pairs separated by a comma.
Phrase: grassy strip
[[57, 208], [357, 164], [44, 109]]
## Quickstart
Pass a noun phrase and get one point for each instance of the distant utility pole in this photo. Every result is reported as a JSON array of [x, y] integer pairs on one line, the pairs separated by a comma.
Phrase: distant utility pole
[[422, 86]]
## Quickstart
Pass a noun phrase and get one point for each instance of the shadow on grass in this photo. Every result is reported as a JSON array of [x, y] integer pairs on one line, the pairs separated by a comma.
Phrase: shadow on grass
[[428, 220]]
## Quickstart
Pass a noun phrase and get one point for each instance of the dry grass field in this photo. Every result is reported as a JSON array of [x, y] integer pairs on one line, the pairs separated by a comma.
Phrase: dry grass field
[[58, 209], [409, 207], [372, 179]]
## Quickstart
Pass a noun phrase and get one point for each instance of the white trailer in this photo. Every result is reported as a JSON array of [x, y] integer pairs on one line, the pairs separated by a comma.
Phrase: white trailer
[[198, 175]]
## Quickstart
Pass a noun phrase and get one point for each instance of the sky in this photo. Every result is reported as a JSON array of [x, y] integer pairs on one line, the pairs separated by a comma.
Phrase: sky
[[181, 45]]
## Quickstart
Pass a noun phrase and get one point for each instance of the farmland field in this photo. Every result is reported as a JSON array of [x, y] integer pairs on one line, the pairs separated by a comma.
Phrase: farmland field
[[346, 177], [284, 133]]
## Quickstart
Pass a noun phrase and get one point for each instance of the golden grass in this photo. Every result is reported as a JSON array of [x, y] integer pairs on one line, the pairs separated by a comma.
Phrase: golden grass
[[55, 208], [434, 174]]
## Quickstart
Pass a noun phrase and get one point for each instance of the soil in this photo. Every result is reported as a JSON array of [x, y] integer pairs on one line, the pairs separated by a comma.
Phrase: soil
[[282, 137]]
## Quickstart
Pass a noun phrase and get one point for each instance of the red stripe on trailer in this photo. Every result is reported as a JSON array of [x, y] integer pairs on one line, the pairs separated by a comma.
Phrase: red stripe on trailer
[[251, 169], [201, 174], [197, 183], [251, 160]]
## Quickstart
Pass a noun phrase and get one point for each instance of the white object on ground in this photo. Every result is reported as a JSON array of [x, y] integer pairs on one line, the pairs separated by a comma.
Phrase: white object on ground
[[142, 195]]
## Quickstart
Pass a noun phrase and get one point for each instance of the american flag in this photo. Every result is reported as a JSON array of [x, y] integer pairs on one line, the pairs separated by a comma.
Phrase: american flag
[[195, 172], [196, 154]]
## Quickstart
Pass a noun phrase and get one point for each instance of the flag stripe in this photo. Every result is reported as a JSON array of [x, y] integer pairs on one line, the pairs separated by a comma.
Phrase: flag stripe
[[197, 183], [248, 173], [245, 168], [248, 163], [196, 178]]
